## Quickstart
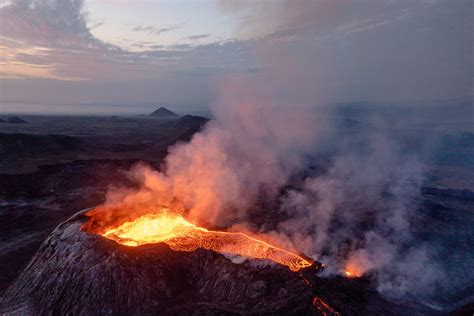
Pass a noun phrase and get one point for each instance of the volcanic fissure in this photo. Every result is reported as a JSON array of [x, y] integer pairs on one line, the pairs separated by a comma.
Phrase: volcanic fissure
[[180, 234]]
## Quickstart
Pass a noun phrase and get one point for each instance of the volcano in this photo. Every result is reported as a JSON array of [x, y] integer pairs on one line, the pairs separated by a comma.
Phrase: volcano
[[163, 112], [78, 272], [75, 272], [168, 226]]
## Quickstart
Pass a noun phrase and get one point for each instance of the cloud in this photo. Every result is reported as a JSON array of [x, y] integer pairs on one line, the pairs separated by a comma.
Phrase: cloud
[[157, 31], [51, 39], [371, 50], [354, 51], [96, 25], [53, 36], [47, 23], [197, 37]]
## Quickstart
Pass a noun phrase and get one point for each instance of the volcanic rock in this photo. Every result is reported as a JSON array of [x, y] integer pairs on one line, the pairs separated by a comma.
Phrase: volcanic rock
[[22, 144], [15, 120], [75, 272], [163, 113], [189, 125], [191, 122]]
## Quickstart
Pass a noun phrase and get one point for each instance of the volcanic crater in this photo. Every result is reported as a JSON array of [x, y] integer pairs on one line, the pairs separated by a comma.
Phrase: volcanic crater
[[76, 272]]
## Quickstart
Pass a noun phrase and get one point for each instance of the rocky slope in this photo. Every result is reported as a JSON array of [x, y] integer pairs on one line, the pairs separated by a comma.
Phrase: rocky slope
[[163, 113], [78, 273], [18, 144]]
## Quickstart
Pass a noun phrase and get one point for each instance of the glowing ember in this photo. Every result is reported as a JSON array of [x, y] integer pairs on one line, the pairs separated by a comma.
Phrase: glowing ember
[[323, 308], [182, 235], [351, 273]]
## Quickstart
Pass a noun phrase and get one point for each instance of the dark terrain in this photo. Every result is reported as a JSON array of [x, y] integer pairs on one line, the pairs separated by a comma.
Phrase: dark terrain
[[109, 278], [163, 113], [52, 140], [53, 167]]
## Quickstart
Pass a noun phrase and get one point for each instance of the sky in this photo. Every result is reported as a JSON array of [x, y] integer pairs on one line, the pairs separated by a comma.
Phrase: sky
[[124, 56]]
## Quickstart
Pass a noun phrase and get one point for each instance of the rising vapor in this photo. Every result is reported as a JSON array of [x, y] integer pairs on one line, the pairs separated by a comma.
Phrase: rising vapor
[[267, 127]]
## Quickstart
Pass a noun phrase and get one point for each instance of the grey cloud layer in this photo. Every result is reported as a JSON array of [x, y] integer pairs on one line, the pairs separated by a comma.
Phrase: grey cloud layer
[[53, 34], [157, 31], [357, 50]]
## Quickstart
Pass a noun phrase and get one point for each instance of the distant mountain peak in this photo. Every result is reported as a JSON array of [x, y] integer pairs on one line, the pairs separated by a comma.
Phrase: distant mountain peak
[[15, 120], [163, 112]]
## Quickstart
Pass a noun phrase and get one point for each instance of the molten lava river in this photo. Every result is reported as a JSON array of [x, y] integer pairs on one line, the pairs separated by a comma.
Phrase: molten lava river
[[182, 235]]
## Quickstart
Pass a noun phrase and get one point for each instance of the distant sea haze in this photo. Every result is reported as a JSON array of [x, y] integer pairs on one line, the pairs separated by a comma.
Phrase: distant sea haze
[[93, 109]]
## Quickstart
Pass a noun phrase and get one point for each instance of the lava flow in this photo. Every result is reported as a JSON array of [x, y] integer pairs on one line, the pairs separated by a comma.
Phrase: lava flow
[[182, 235]]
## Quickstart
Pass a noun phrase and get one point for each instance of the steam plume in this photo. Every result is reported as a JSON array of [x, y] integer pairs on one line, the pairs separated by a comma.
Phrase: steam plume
[[267, 127]]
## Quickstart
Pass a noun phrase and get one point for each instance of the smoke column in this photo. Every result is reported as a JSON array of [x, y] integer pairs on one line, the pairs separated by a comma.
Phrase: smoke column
[[267, 125]]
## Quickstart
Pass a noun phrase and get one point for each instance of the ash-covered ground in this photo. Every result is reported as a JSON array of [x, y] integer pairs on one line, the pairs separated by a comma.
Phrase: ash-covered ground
[[52, 167]]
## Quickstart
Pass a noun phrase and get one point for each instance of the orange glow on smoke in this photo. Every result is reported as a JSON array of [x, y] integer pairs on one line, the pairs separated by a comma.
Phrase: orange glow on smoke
[[181, 235], [352, 271]]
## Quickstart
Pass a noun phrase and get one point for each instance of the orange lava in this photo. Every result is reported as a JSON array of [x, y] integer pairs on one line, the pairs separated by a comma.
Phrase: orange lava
[[351, 272], [182, 235], [323, 308]]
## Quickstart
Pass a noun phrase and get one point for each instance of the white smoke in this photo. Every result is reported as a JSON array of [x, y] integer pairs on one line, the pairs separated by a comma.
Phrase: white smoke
[[358, 216], [267, 126], [219, 174]]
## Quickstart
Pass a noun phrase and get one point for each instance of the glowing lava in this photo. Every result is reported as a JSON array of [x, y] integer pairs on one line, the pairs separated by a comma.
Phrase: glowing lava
[[181, 235], [352, 272]]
